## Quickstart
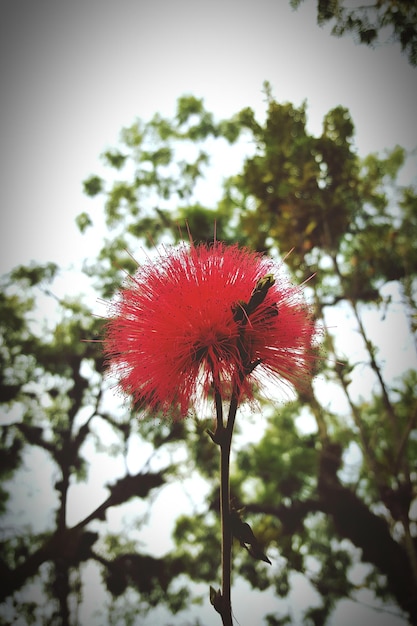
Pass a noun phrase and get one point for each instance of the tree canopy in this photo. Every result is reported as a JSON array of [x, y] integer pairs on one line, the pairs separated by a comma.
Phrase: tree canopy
[[321, 499], [372, 23]]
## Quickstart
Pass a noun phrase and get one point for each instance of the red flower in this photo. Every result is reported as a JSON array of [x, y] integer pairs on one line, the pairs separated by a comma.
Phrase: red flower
[[185, 324]]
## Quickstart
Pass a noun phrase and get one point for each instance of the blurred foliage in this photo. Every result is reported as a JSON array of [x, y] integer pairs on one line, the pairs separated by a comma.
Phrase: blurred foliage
[[312, 509], [369, 23]]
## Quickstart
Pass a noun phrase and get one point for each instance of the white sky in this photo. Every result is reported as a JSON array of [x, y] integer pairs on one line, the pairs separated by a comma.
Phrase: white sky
[[72, 74]]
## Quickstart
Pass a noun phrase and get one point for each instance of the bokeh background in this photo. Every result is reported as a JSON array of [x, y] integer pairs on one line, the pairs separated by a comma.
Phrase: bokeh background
[[72, 75]]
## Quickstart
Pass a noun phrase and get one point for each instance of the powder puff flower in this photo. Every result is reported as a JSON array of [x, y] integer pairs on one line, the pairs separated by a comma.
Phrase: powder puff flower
[[203, 319]]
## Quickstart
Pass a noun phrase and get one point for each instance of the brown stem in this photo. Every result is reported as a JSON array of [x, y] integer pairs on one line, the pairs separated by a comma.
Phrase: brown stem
[[371, 351], [370, 348], [223, 437], [226, 604]]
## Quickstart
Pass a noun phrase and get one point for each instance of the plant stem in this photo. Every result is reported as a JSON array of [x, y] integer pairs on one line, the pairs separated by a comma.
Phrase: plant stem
[[225, 446], [226, 608]]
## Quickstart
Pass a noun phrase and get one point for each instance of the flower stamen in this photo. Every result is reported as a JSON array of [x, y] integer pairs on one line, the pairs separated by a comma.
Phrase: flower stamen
[[204, 317]]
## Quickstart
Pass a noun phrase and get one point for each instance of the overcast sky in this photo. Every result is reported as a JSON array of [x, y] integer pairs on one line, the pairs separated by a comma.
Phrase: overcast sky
[[74, 73]]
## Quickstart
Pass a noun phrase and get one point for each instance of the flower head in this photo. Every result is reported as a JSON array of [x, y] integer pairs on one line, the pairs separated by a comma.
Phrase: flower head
[[206, 318]]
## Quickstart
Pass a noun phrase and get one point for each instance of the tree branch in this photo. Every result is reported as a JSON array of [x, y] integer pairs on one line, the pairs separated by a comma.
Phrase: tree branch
[[73, 544]]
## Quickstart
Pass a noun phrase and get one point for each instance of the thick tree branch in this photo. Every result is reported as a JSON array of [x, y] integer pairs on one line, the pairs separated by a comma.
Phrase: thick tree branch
[[73, 544], [353, 520]]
